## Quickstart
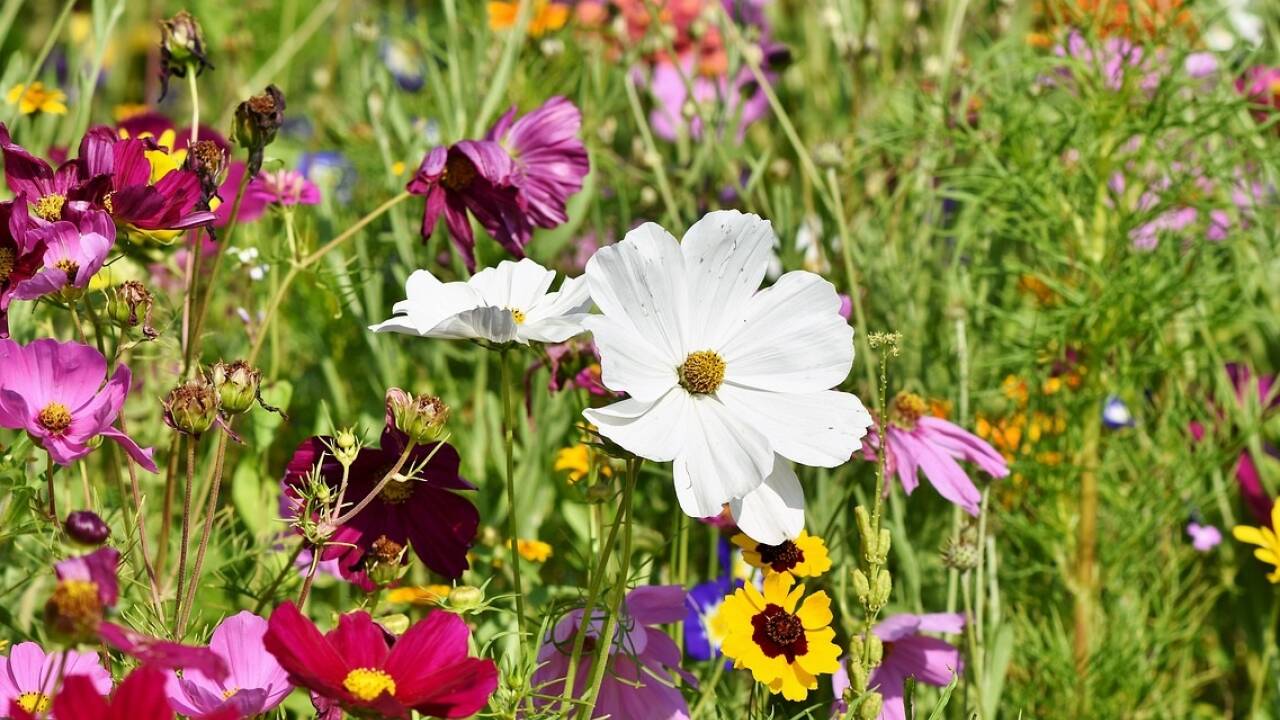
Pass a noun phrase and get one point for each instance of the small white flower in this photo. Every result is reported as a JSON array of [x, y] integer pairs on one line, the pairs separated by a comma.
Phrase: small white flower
[[509, 303], [727, 381]]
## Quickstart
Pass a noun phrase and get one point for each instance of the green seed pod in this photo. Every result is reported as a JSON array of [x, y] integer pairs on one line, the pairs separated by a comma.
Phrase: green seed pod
[[861, 586], [871, 705]]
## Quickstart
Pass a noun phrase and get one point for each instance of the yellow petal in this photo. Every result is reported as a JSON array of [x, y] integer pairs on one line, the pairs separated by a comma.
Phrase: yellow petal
[[815, 613], [1247, 534]]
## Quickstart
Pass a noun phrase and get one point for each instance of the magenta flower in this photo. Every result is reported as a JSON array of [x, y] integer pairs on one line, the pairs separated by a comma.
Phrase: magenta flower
[[139, 697], [256, 683], [549, 158], [28, 674], [75, 250], [1261, 86], [907, 653], [428, 669], [21, 255], [476, 177], [1248, 478], [47, 190], [424, 510], [639, 681], [738, 101], [920, 442], [1203, 537], [55, 392], [281, 188]]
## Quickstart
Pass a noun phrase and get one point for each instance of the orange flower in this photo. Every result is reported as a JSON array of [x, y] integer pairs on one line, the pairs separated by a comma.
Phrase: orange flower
[[547, 16]]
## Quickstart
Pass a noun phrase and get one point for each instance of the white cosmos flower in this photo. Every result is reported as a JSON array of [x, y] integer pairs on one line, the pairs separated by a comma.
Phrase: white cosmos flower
[[728, 381], [509, 303]]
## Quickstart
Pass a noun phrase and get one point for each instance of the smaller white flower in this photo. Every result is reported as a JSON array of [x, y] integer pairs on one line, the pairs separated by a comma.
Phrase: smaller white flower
[[509, 303]]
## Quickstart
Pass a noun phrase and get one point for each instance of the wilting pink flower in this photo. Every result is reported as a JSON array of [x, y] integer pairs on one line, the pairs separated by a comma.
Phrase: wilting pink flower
[[75, 250], [574, 364], [424, 510], [1261, 86], [1203, 537], [907, 654], [549, 157], [256, 682], [920, 442], [279, 187], [21, 255], [54, 391], [639, 680], [427, 669], [28, 674], [1248, 478]]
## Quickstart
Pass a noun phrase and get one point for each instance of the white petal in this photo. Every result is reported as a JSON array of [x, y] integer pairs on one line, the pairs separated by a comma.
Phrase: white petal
[[557, 316], [487, 323], [726, 255], [652, 430], [429, 303], [823, 428], [640, 282], [791, 338], [628, 363], [773, 512], [513, 284], [723, 458]]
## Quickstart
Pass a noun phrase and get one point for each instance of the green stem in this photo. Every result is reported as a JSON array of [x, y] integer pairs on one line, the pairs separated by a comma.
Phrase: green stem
[[210, 511], [513, 530], [186, 532], [207, 296], [53, 502], [195, 104]]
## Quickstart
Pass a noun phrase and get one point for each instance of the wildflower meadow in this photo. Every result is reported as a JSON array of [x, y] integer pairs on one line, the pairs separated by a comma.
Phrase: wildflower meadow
[[639, 359]]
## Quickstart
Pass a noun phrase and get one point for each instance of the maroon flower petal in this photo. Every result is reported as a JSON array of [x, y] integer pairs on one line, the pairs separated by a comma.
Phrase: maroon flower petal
[[305, 653]]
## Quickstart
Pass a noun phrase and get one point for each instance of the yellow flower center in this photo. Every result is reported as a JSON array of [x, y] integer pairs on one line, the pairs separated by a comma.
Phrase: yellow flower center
[[8, 258], [34, 702], [229, 693], [517, 316], [367, 684], [68, 266], [55, 417], [397, 491], [50, 206], [702, 372], [76, 600], [907, 410]]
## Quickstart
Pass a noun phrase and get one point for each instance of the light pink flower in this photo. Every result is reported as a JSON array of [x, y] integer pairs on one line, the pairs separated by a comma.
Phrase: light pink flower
[[1204, 537], [280, 187], [55, 392], [28, 674], [907, 653], [75, 250], [255, 685]]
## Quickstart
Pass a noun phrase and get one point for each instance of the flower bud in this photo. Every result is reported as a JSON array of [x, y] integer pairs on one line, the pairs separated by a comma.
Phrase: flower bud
[[465, 597], [384, 561], [875, 649], [346, 446], [858, 673], [881, 589], [182, 49], [237, 385], [256, 123], [74, 611], [960, 553], [192, 407], [861, 586], [872, 704], [421, 418], [86, 528], [130, 300]]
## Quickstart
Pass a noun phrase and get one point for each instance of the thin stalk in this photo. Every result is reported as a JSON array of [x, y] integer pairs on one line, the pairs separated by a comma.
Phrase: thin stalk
[[513, 530], [203, 311], [210, 510], [601, 660], [186, 530], [136, 493], [84, 486], [188, 303], [306, 583], [651, 149], [395, 469], [53, 502], [195, 105], [501, 78], [166, 514], [1085, 563]]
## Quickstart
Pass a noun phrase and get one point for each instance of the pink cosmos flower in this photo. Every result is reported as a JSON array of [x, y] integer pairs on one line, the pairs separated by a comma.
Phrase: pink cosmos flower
[[44, 188], [75, 250], [256, 683], [639, 682], [21, 255], [920, 442], [907, 653], [738, 99], [280, 187], [28, 674], [1243, 381], [1261, 86], [549, 157], [428, 669], [1119, 61], [55, 392]]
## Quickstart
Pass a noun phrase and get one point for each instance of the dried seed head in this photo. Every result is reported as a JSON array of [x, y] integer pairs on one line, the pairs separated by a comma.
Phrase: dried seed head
[[192, 407]]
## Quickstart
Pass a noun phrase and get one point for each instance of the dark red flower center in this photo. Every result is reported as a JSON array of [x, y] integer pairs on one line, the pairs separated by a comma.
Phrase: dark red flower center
[[8, 258], [55, 417], [49, 207], [781, 558], [778, 632], [397, 491], [458, 172]]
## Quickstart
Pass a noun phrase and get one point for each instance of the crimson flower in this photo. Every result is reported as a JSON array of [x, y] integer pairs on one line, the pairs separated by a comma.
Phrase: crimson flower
[[421, 509], [427, 669]]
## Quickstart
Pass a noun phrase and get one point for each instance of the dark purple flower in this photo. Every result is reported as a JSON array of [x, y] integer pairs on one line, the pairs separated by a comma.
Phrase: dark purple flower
[[85, 526]]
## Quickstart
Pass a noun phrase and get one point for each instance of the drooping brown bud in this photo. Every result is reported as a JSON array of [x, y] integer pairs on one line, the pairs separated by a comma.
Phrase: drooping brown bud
[[207, 161], [256, 123], [182, 49], [192, 407]]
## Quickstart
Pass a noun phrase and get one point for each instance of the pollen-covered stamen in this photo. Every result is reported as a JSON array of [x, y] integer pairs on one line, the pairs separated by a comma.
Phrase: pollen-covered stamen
[[54, 417], [399, 489], [34, 702], [517, 316], [106, 204], [458, 172], [907, 409], [49, 207], [781, 558], [230, 693], [702, 372], [386, 550], [778, 632], [8, 259], [70, 267], [75, 603], [368, 684]]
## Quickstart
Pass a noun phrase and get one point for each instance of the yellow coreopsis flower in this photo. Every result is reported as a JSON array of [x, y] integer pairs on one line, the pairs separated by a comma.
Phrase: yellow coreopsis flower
[[420, 595], [532, 550], [577, 461], [784, 646], [37, 98], [806, 556], [547, 16], [1267, 539]]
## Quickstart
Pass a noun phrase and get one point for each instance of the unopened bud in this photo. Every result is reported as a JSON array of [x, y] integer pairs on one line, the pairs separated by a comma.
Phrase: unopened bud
[[872, 703], [828, 155], [960, 553], [346, 447], [237, 385], [861, 586], [422, 418], [882, 546], [130, 305], [182, 49], [875, 649], [465, 597], [86, 528], [881, 589], [192, 407]]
